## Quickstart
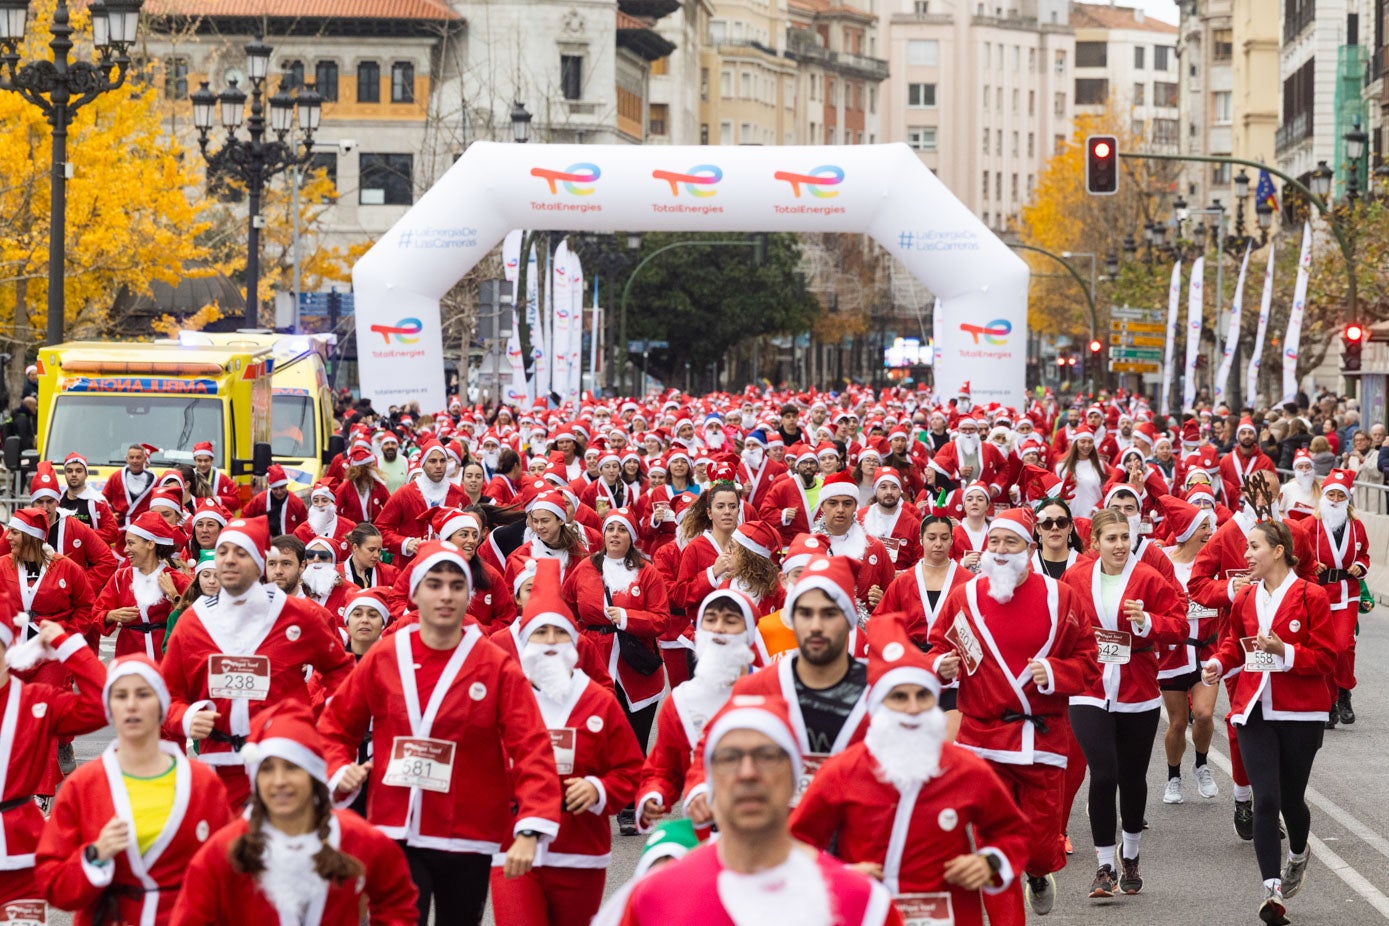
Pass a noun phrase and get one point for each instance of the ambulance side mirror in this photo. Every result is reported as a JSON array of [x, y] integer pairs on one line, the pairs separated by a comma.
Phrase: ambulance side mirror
[[12, 453], [28, 461], [261, 458], [336, 445]]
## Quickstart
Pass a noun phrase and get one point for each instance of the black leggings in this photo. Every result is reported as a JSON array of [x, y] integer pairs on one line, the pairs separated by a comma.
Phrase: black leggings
[[1278, 756], [641, 720], [455, 881], [1117, 748]]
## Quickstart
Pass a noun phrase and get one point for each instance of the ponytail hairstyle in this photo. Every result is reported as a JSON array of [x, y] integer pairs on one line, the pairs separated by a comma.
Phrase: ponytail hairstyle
[[247, 852], [697, 519], [1105, 517], [1278, 534]]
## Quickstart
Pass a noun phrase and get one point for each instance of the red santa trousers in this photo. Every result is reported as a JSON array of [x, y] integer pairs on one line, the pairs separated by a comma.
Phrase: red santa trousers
[[1237, 773], [548, 896], [1036, 789]]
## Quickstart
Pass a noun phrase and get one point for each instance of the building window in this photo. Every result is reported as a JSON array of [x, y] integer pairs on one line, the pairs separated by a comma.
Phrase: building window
[[746, 134], [726, 84], [386, 179], [1164, 94], [1140, 93], [656, 121], [1032, 102], [1222, 44], [1013, 188], [921, 96], [1139, 53], [1222, 104], [725, 133], [1058, 144], [1220, 174], [402, 82], [704, 85], [998, 185], [660, 67], [325, 75], [718, 32], [922, 138], [998, 143], [368, 82], [704, 133], [922, 7], [1162, 55], [987, 133], [326, 161], [923, 53], [1165, 132], [1017, 95], [1058, 104], [984, 190], [294, 75], [1031, 144], [1092, 54], [1014, 148], [571, 76], [872, 99], [745, 86], [987, 55], [1061, 61], [176, 78], [1031, 60]]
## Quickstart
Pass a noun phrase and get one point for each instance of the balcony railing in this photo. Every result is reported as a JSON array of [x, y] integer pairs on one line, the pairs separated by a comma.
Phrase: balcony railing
[[1293, 131]]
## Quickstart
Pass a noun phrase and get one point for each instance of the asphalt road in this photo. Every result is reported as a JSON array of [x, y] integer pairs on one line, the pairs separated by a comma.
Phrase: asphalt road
[[1195, 869]]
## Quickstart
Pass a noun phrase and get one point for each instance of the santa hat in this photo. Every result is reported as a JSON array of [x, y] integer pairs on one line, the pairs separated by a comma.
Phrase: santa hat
[[546, 605], [374, 598], [323, 488], [758, 537], [802, 549], [1341, 479], [894, 659], [445, 522], [140, 665], [964, 390], [207, 559], [1246, 424], [203, 448], [1122, 488], [149, 449], [150, 526], [211, 509], [888, 474], [434, 553], [429, 448], [1191, 433], [551, 501], [1301, 456], [31, 521], [840, 485], [626, 518], [833, 575], [527, 571], [167, 497], [1182, 517], [755, 436], [251, 535], [324, 543], [275, 476], [722, 471], [1202, 489], [360, 454], [1020, 521], [744, 605], [825, 448], [285, 731], [766, 715], [976, 487], [75, 457], [45, 483]]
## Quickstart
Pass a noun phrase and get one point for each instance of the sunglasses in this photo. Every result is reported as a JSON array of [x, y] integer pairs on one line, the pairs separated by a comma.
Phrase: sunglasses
[[314, 556], [1060, 523]]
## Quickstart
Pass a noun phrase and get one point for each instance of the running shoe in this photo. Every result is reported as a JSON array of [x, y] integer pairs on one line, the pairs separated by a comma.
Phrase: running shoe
[[1294, 873], [1272, 911], [1070, 849], [627, 822], [1244, 820], [1347, 712], [1205, 782], [1173, 794], [1130, 882], [1102, 888], [1041, 894], [1334, 717]]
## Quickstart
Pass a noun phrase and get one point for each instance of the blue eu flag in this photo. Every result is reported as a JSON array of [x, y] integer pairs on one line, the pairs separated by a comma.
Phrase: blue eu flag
[[1265, 193]]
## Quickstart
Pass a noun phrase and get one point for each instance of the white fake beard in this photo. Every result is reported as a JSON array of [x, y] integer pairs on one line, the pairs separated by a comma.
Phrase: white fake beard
[[490, 457], [792, 892], [714, 440], [1334, 514], [853, 542], [753, 457], [29, 651], [1005, 572], [1135, 532], [289, 880], [435, 493], [1304, 480], [550, 667], [906, 748], [323, 520], [146, 588], [319, 579], [721, 658], [967, 445]]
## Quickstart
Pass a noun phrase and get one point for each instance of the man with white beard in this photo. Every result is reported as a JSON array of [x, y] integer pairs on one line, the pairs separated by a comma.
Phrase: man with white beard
[[724, 632], [321, 581], [758, 470], [904, 806], [286, 565], [1021, 646], [324, 521], [966, 459], [715, 441], [1342, 551], [490, 452], [1304, 491]]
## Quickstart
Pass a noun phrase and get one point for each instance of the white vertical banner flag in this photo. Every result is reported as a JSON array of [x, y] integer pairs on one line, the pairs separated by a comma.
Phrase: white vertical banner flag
[[1293, 338], [937, 339], [576, 328], [1251, 383], [1195, 294], [562, 313], [1222, 377], [511, 267], [1174, 295], [594, 352], [540, 354]]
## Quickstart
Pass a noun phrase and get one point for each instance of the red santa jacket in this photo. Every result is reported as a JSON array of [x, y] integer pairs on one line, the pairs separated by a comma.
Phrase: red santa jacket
[[482, 700], [125, 505], [60, 593], [358, 506], [96, 513], [491, 607], [214, 894], [1235, 467], [646, 611], [146, 633], [696, 580], [1353, 550], [912, 835], [144, 885], [225, 489], [399, 519], [1132, 686], [291, 636], [32, 716], [875, 565], [592, 740], [962, 541], [621, 495], [787, 492], [758, 484], [341, 528], [1007, 718], [382, 574], [1212, 574], [292, 513], [900, 533], [992, 465], [654, 533], [501, 490], [82, 545], [907, 594], [1295, 687]]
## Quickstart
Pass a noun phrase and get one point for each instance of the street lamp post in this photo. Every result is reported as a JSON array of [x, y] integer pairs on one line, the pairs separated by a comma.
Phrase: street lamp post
[[60, 88], [256, 160]]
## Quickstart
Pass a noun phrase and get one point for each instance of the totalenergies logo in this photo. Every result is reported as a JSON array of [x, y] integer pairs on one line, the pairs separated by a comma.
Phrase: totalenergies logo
[[575, 178], [826, 175], [405, 331], [698, 180], [995, 333]]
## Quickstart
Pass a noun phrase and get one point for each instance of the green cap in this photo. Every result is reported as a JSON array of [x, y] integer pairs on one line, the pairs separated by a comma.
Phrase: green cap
[[206, 560], [669, 840]]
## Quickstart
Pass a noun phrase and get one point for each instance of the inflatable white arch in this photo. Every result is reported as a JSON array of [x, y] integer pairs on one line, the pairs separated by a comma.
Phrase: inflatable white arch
[[880, 190]]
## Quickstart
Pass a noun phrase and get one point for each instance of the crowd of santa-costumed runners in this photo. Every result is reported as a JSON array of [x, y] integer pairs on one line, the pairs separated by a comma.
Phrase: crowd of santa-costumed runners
[[837, 658]]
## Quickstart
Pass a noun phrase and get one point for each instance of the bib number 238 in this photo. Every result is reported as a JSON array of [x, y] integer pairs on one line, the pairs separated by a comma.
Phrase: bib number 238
[[245, 678]]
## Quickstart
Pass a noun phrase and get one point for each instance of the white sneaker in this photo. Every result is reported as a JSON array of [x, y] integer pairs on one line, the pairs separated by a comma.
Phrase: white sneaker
[[1173, 794], [1205, 782]]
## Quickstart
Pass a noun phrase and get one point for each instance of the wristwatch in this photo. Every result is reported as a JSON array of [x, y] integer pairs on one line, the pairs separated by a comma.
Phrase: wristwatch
[[93, 857], [533, 834], [995, 863]]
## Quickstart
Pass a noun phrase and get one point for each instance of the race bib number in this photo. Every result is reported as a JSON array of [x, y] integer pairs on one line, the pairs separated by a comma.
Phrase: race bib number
[[1145, 526], [1115, 646], [925, 909], [1236, 574], [1255, 659], [422, 763], [26, 913], [246, 678], [562, 742], [961, 636], [810, 764], [1199, 612], [893, 544]]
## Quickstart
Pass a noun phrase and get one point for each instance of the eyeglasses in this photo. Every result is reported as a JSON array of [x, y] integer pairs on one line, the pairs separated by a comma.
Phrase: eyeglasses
[[764, 758], [1060, 523], [314, 556]]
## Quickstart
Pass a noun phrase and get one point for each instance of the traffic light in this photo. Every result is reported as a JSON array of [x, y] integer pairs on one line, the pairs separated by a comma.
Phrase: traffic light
[[1096, 346], [1102, 164], [1352, 341]]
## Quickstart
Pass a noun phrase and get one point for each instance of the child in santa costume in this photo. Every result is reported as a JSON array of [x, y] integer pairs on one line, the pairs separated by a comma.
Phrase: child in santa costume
[[136, 604], [293, 858], [598, 761], [928, 818], [459, 738], [240, 652], [124, 827]]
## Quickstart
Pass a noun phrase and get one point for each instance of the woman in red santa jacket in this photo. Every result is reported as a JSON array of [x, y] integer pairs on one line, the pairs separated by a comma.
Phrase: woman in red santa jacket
[[755, 551], [32, 716], [136, 604], [1342, 549], [124, 827], [293, 858], [598, 761], [362, 493], [708, 532], [549, 535], [1282, 635], [491, 605], [655, 514], [1134, 613]]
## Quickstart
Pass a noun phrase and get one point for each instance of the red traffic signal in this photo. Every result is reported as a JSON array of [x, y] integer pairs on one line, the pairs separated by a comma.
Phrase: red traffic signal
[[1096, 346], [1354, 332], [1102, 165]]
